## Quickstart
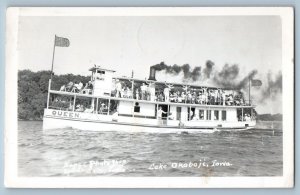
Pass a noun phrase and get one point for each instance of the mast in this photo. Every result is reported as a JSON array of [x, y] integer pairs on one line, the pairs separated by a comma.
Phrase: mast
[[249, 91], [48, 98]]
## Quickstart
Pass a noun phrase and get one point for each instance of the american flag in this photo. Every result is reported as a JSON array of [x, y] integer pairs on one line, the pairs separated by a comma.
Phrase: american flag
[[61, 42], [256, 83]]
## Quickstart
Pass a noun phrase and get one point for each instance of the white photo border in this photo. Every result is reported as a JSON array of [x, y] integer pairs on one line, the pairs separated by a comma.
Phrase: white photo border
[[11, 93]]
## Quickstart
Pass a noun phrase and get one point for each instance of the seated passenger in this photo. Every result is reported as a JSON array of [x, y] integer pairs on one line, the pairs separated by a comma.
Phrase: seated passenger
[[160, 97], [247, 117], [89, 110], [102, 108], [79, 108], [62, 88], [129, 92], [75, 88], [172, 97], [69, 86]]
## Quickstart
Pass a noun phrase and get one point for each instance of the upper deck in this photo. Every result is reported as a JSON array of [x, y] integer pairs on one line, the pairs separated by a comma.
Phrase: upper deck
[[103, 85]]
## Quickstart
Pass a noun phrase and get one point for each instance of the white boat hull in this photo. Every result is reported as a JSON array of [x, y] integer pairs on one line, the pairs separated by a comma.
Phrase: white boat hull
[[55, 119]]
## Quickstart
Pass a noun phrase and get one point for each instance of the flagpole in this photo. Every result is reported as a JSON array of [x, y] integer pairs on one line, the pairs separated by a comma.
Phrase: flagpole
[[50, 81], [53, 58]]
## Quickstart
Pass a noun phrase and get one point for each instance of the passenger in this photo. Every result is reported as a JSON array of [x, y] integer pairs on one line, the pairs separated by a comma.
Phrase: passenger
[[160, 97], [172, 97], [123, 93], [115, 116], [102, 108], [189, 97], [80, 86], [171, 116], [137, 96], [198, 98], [230, 100], [70, 107], [191, 115], [148, 97], [90, 85], [77, 108], [193, 98], [196, 116], [167, 90], [205, 94], [159, 115], [151, 90], [202, 116], [129, 93], [89, 110], [176, 96], [223, 98], [75, 88], [69, 86], [218, 97], [247, 117], [183, 97], [86, 89], [118, 88], [62, 88], [143, 91]]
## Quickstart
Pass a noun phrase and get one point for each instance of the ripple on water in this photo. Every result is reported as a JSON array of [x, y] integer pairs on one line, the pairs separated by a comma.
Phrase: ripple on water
[[252, 153]]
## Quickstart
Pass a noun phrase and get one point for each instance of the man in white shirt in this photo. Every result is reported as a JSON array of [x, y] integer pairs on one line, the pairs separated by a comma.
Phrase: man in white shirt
[[118, 88], [143, 91]]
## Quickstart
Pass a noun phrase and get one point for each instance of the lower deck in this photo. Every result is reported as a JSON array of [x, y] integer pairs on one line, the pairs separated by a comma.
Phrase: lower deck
[[67, 109], [54, 119]]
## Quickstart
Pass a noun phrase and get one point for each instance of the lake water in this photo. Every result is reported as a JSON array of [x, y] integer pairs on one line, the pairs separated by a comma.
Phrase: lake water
[[69, 152]]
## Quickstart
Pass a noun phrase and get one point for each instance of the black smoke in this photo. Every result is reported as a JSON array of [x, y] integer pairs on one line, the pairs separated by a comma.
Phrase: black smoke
[[229, 76], [188, 72], [273, 86], [208, 68]]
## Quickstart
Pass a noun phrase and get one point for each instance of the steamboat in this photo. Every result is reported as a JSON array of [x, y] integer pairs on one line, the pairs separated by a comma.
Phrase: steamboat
[[108, 103]]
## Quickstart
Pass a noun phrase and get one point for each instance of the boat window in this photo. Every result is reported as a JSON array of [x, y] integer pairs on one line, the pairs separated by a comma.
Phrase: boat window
[[102, 106], [101, 71], [216, 115], [99, 75], [178, 113], [208, 115], [224, 115], [201, 114], [137, 107]]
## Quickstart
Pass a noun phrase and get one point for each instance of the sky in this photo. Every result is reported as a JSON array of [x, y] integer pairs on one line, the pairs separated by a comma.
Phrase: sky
[[138, 42]]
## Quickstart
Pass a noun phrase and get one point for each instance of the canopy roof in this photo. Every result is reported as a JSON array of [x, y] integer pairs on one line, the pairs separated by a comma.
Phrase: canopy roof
[[97, 67], [173, 83]]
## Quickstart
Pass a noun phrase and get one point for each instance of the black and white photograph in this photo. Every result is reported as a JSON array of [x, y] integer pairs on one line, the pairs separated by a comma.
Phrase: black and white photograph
[[149, 97]]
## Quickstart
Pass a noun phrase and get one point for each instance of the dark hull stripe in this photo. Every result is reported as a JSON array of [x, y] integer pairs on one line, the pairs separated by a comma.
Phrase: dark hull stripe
[[144, 125]]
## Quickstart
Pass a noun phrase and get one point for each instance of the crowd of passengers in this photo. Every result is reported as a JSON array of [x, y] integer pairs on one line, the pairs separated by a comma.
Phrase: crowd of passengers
[[207, 96], [78, 87], [147, 91]]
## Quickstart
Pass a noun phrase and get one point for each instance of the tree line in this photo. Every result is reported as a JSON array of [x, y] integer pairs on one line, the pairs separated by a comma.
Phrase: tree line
[[33, 91]]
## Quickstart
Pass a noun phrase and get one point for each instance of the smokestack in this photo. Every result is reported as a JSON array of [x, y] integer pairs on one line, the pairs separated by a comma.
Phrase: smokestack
[[152, 73]]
